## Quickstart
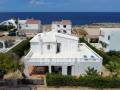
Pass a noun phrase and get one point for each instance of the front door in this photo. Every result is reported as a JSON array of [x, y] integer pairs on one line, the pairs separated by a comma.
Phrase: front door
[[56, 69]]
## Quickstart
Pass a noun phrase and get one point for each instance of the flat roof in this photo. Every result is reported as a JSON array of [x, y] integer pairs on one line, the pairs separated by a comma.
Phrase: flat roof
[[110, 29], [92, 31], [80, 54]]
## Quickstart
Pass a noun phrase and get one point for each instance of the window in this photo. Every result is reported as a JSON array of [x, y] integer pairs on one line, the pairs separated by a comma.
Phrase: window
[[26, 25], [94, 40], [58, 47], [64, 31], [64, 26], [104, 45], [59, 31], [109, 37], [58, 25], [48, 47]]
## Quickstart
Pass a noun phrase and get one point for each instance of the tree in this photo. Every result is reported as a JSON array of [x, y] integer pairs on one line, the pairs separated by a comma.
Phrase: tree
[[6, 27], [7, 64]]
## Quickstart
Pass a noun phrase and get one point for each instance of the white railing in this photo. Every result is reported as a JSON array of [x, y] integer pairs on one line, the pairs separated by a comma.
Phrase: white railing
[[28, 56], [58, 61]]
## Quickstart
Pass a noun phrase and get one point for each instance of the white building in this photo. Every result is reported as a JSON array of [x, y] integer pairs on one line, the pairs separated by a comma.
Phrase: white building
[[29, 27], [110, 39], [92, 36], [60, 53], [64, 26]]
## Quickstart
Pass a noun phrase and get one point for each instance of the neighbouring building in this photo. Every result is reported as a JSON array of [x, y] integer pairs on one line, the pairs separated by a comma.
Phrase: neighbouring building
[[110, 39], [64, 26], [6, 43], [53, 52], [92, 34], [29, 27], [10, 22]]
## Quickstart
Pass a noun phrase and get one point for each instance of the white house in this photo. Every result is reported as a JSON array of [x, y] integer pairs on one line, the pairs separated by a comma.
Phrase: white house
[[110, 39], [60, 53], [64, 26], [29, 27]]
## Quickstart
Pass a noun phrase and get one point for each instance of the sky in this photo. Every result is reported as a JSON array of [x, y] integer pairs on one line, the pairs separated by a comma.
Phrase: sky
[[59, 5]]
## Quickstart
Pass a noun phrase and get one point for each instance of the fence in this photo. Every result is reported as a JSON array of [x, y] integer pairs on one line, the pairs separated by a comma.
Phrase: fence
[[20, 82]]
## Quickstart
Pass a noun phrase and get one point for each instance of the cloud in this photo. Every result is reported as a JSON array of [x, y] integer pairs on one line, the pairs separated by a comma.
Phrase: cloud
[[49, 2], [38, 2]]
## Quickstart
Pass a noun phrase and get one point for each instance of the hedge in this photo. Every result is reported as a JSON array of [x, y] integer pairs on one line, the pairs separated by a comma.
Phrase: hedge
[[20, 49], [84, 81]]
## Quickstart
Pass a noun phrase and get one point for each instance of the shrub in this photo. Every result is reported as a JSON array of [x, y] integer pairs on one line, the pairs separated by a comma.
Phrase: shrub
[[114, 53], [85, 81], [7, 64]]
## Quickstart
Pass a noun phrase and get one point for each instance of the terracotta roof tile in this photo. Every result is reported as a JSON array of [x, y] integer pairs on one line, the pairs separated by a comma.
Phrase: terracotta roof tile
[[63, 22], [32, 21], [66, 22]]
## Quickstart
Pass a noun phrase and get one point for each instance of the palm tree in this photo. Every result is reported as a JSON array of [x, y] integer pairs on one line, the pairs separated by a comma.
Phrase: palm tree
[[91, 72], [21, 69]]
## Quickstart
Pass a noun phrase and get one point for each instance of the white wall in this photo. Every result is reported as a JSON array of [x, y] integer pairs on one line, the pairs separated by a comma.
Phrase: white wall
[[31, 27], [35, 47], [82, 67], [52, 49], [67, 45], [78, 68], [3, 43], [114, 42]]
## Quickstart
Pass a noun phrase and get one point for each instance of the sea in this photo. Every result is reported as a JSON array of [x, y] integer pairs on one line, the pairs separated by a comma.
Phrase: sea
[[78, 18]]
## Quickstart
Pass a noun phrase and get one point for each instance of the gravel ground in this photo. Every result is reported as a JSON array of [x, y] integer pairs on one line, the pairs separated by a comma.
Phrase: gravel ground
[[71, 88], [51, 88]]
